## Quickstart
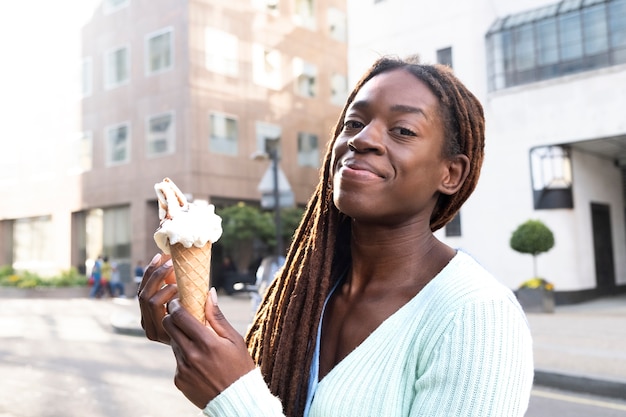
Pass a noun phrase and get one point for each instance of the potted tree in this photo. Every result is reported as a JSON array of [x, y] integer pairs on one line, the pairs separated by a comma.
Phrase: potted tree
[[534, 237]]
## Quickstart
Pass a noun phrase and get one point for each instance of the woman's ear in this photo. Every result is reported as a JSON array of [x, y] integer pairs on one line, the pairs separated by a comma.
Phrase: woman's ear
[[457, 169]]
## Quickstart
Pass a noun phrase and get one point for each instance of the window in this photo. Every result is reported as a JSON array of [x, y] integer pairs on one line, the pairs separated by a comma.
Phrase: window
[[563, 38], [444, 56], [86, 77], [118, 144], [337, 24], [453, 228], [223, 134], [159, 51], [268, 5], [116, 232], [551, 176], [81, 153], [305, 13], [34, 244], [221, 51], [267, 137], [117, 67], [161, 136], [305, 75], [111, 6], [308, 150], [266, 67], [339, 89]]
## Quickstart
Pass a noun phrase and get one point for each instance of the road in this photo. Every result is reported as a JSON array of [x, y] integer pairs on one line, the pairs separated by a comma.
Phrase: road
[[61, 358]]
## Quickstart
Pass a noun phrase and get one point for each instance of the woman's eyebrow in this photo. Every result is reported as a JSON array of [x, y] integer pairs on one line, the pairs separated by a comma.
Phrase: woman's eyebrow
[[396, 108]]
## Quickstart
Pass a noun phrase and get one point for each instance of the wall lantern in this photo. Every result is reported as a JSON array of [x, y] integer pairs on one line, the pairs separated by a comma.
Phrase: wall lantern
[[551, 176]]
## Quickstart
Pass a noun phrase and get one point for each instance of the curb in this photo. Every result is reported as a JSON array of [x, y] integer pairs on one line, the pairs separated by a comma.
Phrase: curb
[[581, 384]]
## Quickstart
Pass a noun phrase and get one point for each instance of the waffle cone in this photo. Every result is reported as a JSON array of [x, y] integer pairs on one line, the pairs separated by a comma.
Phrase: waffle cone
[[192, 267]]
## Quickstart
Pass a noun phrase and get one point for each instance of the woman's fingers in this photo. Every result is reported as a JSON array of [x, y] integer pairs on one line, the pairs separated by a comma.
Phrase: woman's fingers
[[153, 295]]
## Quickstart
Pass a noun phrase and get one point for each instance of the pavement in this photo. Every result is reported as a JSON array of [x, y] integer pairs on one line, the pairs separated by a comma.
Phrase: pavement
[[578, 348]]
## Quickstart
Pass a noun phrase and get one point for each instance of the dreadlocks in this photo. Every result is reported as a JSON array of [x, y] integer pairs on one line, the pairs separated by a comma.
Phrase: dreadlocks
[[283, 335]]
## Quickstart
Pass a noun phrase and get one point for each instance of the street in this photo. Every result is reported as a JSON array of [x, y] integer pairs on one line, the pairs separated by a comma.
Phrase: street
[[62, 358]]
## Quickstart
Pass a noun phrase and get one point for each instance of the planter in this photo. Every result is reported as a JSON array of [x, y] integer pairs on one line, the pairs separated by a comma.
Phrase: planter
[[45, 292], [536, 300]]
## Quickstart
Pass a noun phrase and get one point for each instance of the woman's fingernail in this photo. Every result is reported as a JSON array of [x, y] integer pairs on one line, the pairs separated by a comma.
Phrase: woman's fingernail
[[213, 294], [156, 259], [168, 264]]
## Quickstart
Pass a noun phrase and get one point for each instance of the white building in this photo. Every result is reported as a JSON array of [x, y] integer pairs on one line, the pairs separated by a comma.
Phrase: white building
[[552, 78]]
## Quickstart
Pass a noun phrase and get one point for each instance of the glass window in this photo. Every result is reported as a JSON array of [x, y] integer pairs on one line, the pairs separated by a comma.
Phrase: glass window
[[81, 153], [524, 48], [267, 137], [337, 24], [547, 42], [221, 50], [308, 150], [223, 134], [268, 5], [86, 76], [305, 13], [34, 244], [570, 36], [159, 51], [266, 67], [453, 228], [118, 144], [305, 75], [444, 56], [339, 89], [117, 67], [111, 6], [160, 139], [116, 232]]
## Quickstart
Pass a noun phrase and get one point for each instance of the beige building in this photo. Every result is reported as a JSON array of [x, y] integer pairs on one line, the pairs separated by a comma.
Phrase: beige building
[[188, 90]]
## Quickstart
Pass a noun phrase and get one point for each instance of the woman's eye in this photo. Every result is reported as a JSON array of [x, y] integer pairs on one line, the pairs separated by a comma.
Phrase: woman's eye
[[403, 131]]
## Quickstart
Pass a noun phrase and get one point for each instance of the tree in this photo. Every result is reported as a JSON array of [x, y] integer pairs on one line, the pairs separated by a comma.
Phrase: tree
[[532, 237]]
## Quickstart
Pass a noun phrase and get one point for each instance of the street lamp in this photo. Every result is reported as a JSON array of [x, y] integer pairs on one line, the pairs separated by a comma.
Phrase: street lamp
[[272, 154]]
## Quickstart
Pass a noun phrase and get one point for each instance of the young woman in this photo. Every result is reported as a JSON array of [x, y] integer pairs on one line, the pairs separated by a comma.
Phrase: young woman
[[371, 314]]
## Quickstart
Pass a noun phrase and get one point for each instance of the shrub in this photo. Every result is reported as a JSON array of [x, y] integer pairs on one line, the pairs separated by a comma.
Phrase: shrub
[[532, 237]]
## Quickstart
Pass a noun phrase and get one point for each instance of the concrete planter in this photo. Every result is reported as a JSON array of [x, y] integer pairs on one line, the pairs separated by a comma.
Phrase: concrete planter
[[45, 292], [536, 300]]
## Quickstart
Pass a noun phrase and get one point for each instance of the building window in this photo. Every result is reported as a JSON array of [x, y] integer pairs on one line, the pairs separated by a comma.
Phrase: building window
[[305, 13], [159, 51], [551, 175], [118, 144], [308, 150], [337, 24], [86, 77], [268, 5], [453, 228], [267, 137], [223, 134], [266, 67], [444, 56], [338, 89], [221, 51], [161, 136], [111, 6], [116, 230], [33, 244], [560, 39], [81, 153], [305, 75], [117, 67]]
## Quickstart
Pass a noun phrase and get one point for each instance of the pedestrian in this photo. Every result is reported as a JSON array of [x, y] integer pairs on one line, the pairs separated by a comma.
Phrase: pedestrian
[[106, 275], [139, 270], [116, 285], [371, 314], [96, 276]]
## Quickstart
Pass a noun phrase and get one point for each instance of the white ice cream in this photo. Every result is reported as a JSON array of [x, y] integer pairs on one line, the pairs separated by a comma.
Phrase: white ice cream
[[183, 222]]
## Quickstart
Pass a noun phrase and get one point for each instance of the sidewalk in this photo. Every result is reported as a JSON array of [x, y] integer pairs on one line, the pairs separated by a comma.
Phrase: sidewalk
[[579, 348]]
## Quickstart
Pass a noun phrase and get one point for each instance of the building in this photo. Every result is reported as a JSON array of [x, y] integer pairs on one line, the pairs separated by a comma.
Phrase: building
[[552, 78], [187, 90]]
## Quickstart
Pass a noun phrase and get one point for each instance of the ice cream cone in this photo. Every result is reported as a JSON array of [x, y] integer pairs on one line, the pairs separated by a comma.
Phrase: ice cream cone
[[192, 267]]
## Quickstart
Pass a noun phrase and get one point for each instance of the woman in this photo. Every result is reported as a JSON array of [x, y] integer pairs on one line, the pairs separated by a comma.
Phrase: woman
[[371, 314]]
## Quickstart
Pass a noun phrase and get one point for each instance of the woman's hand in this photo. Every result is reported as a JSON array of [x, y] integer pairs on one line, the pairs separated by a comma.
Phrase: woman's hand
[[209, 357], [157, 287]]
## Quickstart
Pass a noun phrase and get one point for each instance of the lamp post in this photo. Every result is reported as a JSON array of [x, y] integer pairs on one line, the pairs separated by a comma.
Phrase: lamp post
[[272, 155]]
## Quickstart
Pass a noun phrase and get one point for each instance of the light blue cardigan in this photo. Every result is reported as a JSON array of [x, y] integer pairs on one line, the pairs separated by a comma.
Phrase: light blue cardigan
[[460, 347]]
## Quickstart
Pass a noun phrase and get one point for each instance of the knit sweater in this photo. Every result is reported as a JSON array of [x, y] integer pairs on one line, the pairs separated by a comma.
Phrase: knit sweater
[[460, 347]]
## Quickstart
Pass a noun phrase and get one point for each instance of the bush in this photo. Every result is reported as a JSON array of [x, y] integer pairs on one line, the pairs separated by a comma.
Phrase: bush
[[25, 279], [532, 237]]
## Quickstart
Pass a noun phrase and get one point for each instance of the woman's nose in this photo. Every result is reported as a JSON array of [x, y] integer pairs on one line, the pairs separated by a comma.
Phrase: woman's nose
[[369, 139]]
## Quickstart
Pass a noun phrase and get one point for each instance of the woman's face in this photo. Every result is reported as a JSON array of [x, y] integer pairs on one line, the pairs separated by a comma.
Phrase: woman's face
[[387, 161]]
